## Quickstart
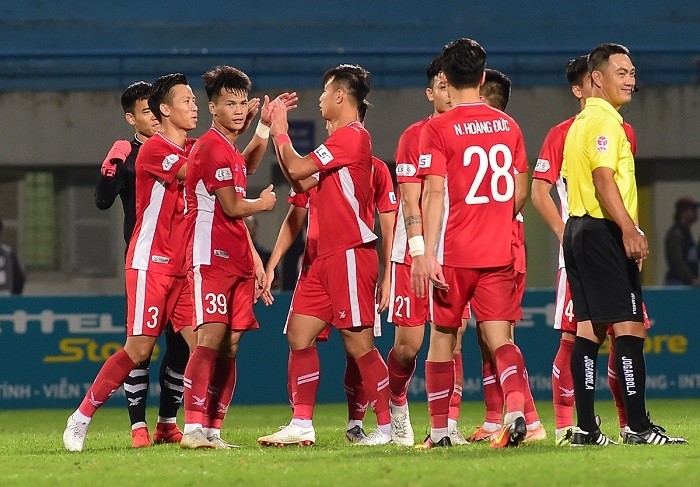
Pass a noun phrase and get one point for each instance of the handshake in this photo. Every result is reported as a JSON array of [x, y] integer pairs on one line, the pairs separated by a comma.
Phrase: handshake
[[116, 155]]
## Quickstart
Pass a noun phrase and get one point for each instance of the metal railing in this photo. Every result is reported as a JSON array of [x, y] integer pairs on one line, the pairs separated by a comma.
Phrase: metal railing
[[391, 67]]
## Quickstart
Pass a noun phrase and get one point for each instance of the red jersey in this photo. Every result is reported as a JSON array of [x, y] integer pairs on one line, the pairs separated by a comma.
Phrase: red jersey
[[345, 217], [406, 158], [304, 200], [551, 158], [384, 198], [521, 167], [214, 238], [157, 242], [476, 148]]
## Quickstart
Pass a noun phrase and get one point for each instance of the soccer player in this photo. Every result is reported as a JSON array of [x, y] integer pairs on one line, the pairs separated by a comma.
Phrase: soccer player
[[223, 266], [408, 311], [340, 286], [467, 158], [118, 178], [603, 271], [495, 91], [156, 283]]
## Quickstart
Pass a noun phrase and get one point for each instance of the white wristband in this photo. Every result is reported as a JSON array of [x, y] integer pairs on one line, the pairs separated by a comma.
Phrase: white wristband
[[640, 231], [416, 245], [262, 130]]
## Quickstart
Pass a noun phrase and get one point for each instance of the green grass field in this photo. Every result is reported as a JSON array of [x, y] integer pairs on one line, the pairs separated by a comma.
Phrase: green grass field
[[31, 453]]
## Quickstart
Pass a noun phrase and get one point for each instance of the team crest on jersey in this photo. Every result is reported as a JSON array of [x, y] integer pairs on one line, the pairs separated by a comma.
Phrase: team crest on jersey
[[392, 197], [223, 174], [323, 154], [404, 169], [602, 143], [542, 165], [425, 160], [169, 161]]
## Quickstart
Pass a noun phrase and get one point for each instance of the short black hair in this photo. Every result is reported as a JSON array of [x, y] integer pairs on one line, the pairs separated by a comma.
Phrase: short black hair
[[577, 70], [434, 68], [133, 93], [227, 78], [496, 89], [600, 55], [362, 109], [354, 78], [463, 62], [162, 91]]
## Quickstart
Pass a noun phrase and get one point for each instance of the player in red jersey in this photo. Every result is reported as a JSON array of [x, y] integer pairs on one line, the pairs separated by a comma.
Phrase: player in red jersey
[[496, 93], [547, 173], [407, 311], [118, 178], [156, 283], [341, 282], [223, 265], [467, 158]]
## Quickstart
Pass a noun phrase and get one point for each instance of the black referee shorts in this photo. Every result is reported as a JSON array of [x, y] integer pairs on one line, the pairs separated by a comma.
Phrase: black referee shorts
[[605, 285]]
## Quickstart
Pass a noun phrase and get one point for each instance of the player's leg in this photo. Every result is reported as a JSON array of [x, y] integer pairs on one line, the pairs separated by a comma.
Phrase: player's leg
[[456, 399], [614, 383], [356, 399], [136, 392], [493, 394], [562, 381], [172, 369]]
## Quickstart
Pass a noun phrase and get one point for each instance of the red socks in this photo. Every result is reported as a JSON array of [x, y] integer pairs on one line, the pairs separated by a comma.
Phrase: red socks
[[304, 375], [110, 377], [375, 382], [456, 398], [511, 370], [563, 386], [614, 385], [220, 393], [399, 377], [439, 385], [197, 378], [493, 394], [355, 394]]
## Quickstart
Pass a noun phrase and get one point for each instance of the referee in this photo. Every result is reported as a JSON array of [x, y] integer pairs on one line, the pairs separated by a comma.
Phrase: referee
[[604, 248]]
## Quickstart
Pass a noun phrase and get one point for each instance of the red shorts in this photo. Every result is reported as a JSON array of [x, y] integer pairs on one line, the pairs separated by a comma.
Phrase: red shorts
[[339, 289], [220, 297], [152, 299], [490, 293], [564, 319], [405, 308], [519, 292]]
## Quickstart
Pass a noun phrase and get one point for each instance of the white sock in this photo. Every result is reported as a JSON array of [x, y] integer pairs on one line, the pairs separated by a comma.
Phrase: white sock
[[398, 409], [78, 416], [140, 424], [303, 423], [213, 432], [161, 419], [451, 424], [354, 422], [533, 426], [511, 417], [190, 427], [385, 428], [490, 427], [437, 434]]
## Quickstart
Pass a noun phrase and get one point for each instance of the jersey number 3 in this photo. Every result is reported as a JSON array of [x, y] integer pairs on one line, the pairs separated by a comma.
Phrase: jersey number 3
[[498, 172]]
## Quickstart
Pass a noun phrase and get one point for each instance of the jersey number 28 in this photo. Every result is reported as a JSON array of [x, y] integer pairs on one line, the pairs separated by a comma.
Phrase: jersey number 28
[[498, 172]]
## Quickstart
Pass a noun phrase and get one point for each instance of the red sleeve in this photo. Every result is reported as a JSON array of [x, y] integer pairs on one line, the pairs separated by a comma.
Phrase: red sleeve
[[631, 137], [161, 162], [384, 196], [300, 200], [342, 148], [433, 158], [406, 157], [219, 169], [551, 156], [520, 156]]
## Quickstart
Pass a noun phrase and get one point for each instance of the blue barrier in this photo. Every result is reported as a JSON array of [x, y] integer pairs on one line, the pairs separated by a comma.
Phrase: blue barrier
[[52, 347]]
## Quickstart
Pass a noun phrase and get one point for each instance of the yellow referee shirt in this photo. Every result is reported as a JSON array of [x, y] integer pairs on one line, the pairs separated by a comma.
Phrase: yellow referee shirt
[[597, 139]]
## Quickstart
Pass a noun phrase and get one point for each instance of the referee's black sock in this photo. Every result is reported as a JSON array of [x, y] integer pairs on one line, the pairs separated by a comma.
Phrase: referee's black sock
[[631, 375], [584, 356], [172, 369]]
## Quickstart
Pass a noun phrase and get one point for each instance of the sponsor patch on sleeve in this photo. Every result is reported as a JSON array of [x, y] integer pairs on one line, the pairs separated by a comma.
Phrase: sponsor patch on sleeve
[[223, 174], [406, 170], [323, 154], [392, 197], [169, 161], [602, 143], [542, 165], [425, 160]]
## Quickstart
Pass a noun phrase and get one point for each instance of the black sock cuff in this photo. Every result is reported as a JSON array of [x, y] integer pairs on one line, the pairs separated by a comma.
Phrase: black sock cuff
[[629, 340], [589, 347]]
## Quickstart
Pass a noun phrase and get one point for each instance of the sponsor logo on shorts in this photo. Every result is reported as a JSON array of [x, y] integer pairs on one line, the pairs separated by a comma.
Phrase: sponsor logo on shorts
[[405, 169], [542, 165], [223, 174], [634, 303], [159, 259], [602, 143], [221, 253], [323, 154], [342, 314], [169, 161], [425, 160]]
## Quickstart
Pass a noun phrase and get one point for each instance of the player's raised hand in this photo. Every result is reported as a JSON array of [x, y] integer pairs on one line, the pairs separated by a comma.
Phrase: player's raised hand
[[117, 155], [382, 295], [288, 99], [279, 124], [268, 198], [253, 109], [419, 275]]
